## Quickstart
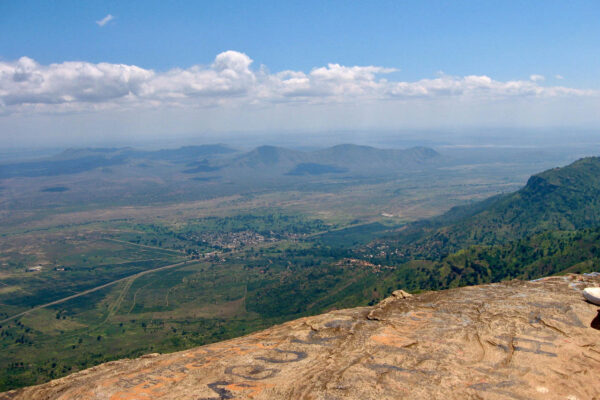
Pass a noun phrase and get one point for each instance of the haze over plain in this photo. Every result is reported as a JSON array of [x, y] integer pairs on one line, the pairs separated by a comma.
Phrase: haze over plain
[[93, 73]]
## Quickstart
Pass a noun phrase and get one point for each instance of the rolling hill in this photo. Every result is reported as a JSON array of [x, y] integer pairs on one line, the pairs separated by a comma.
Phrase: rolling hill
[[262, 161], [340, 159], [73, 161]]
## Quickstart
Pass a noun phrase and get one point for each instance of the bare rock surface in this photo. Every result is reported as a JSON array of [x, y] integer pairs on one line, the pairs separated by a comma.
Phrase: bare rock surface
[[514, 340]]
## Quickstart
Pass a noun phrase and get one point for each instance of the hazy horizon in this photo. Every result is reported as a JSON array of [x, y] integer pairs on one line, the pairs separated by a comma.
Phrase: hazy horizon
[[94, 73], [498, 137]]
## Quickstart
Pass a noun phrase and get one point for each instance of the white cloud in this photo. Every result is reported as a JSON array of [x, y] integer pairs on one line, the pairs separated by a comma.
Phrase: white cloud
[[228, 76], [26, 82], [105, 20], [537, 78], [27, 86], [557, 76], [330, 83]]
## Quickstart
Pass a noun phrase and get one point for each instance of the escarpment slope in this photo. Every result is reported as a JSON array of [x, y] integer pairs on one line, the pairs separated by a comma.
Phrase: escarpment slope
[[513, 340]]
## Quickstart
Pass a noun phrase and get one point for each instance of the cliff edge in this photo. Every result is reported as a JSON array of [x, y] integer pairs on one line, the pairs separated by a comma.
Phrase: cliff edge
[[513, 340]]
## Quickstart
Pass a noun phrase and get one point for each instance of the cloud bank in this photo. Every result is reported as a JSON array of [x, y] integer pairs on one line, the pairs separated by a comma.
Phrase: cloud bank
[[29, 87]]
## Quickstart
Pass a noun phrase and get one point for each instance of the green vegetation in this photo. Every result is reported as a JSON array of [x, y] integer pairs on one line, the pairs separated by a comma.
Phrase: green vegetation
[[74, 271], [539, 255], [543, 254], [231, 294], [559, 199], [260, 248], [353, 236], [550, 226]]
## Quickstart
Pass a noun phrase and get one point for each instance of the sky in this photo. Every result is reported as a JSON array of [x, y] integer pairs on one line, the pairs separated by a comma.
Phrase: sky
[[77, 72]]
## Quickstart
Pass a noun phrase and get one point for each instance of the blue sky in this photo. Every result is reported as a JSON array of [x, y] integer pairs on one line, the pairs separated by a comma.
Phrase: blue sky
[[504, 39], [557, 41]]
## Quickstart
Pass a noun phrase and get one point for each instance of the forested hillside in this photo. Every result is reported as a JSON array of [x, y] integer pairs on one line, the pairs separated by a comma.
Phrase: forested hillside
[[558, 199], [543, 254]]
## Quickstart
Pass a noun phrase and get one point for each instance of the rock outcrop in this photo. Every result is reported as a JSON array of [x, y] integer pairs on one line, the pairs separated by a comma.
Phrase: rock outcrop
[[514, 340]]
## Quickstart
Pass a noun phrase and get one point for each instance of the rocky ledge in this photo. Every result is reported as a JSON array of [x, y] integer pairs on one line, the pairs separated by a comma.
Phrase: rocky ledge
[[513, 340]]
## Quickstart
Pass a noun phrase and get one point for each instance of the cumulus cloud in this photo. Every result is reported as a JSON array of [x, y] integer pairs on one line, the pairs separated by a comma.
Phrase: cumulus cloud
[[27, 82], [558, 76], [228, 76], [105, 20], [230, 79], [537, 78], [326, 83]]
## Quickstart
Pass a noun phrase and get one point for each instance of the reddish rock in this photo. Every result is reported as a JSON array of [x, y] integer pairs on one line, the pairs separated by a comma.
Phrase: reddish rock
[[514, 340]]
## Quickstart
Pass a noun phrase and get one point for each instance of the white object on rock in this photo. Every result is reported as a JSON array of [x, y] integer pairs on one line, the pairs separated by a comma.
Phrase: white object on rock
[[592, 294]]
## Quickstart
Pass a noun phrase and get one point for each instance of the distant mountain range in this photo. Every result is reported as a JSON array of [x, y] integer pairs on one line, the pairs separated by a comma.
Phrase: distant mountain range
[[182, 154], [73, 161], [262, 161], [344, 158]]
